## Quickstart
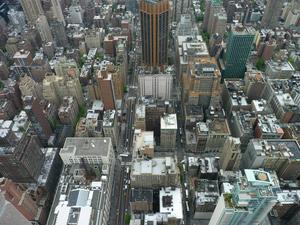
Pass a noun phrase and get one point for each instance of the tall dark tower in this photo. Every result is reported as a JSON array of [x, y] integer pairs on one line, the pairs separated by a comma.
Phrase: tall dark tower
[[154, 31]]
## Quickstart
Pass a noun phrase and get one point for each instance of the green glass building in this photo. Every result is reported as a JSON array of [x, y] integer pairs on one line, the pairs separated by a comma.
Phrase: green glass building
[[239, 45]]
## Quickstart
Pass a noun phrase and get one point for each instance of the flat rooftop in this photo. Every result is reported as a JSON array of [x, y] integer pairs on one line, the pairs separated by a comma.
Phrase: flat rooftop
[[170, 202], [86, 146], [155, 166], [277, 147], [168, 121]]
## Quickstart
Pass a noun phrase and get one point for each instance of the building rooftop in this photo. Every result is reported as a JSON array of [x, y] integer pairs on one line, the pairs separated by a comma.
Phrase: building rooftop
[[219, 125], [239, 29], [155, 219], [78, 204], [109, 118], [236, 92], [168, 121], [279, 66], [206, 191], [155, 166], [140, 111], [288, 197], [277, 148], [206, 165], [87, 146], [170, 202], [139, 194], [261, 107], [269, 124]]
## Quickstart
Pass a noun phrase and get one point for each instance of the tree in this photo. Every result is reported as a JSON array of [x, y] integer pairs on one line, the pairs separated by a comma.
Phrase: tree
[[127, 218], [1, 85], [260, 64], [205, 36]]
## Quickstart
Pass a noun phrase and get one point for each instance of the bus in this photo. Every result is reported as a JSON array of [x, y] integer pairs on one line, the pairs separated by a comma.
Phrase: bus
[[187, 206], [124, 155]]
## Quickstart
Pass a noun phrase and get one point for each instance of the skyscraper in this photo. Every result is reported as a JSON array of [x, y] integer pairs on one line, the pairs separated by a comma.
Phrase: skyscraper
[[32, 9], [249, 202], [240, 40], [44, 29], [212, 7], [154, 15], [22, 163], [272, 13]]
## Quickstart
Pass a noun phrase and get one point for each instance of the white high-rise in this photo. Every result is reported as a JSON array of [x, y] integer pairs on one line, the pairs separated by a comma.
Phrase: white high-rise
[[32, 9], [44, 29]]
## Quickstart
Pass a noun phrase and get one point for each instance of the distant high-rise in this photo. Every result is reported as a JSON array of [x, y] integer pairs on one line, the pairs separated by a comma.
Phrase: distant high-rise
[[32, 9], [272, 13], [239, 45], [154, 15], [44, 29], [22, 163], [212, 7]]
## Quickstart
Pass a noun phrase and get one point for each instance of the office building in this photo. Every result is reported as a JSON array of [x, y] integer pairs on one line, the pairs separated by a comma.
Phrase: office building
[[40, 65], [249, 201], [56, 87], [110, 126], [234, 97], [22, 163], [90, 126], [206, 198], [156, 172], [4, 72], [202, 82], [170, 203], [65, 67], [59, 34], [90, 151], [32, 10], [44, 29], [141, 200], [211, 136], [155, 85], [68, 111], [292, 18], [154, 38], [242, 127], [272, 13], [140, 117], [82, 204], [29, 87], [239, 45], [193, 115], [267, 127], [203, 167], [280, 155], [168, 131], [219, 22], [255, 83], [211, 8], [231, 154], [10, 215], [18, 198], [57, 13], [38, 118], [143, 144], [155, 109], [106, 89], [279, 69]]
